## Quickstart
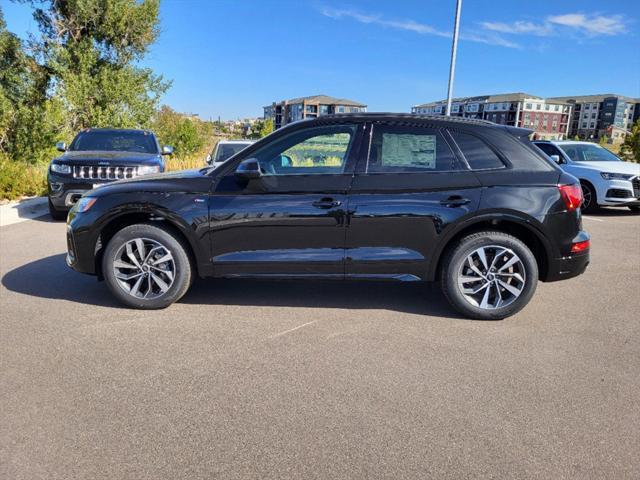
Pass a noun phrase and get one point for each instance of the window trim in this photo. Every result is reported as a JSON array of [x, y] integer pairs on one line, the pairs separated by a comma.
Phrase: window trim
[[505, 162], [443, 133]]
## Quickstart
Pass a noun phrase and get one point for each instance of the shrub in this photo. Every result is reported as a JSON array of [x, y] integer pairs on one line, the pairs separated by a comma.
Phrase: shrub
[[20, 179]]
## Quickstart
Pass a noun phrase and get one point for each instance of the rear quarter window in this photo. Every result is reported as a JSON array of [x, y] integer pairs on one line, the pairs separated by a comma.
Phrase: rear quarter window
[[477, 153]]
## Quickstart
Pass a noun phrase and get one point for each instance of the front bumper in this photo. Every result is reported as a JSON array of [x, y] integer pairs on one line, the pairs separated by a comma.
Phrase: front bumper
[[82, 242], [64, 190], [619, 192]]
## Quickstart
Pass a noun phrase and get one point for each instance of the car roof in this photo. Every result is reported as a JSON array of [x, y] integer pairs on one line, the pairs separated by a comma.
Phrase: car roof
[[565, 142], [388, 116], [237, 141], [117, 130]]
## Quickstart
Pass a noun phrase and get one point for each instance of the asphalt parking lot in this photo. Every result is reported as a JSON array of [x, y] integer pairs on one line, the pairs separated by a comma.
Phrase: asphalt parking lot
[[263, 380]]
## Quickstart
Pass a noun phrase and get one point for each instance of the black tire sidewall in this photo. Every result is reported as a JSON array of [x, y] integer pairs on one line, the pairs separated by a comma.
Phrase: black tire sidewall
[[593, 204], [459, 254], [183, 274]]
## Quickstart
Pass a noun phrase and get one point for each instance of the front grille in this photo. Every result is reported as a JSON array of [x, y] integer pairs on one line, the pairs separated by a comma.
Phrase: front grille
[[636, 186], [91, 172], [618, 193]]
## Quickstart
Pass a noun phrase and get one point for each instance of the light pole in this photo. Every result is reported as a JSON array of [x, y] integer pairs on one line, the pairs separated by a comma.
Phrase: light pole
[[454, 50]]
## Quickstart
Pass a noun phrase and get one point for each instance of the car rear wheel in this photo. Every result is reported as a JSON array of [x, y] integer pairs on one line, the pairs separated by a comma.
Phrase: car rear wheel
[[55, 213], [147, 267], [489, 275], [589, 199]]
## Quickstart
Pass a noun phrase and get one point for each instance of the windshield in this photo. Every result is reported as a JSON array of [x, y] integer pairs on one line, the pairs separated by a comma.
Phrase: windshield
[[588, 153], [226, 151], [114, 141]]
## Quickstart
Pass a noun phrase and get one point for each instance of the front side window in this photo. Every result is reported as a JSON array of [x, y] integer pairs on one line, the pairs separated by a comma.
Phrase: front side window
[[114, 141], [477, 153], [322, 150], [414, 149]]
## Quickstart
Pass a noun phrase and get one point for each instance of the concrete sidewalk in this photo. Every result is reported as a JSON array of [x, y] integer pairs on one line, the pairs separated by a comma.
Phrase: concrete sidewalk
[[21, 210]]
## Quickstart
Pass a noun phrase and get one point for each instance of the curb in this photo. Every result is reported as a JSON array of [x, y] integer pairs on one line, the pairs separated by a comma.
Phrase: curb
[[21, 210]]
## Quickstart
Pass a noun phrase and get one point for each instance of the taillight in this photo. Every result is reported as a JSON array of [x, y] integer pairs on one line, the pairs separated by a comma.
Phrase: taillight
[[580, 246], [572, 196]]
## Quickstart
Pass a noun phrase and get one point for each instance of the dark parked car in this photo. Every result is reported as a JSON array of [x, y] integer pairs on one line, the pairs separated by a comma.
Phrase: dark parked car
[[98, 156], [365, 196]]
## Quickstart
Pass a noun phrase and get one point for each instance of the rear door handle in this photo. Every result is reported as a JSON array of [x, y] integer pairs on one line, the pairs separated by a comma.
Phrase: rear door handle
[[326, 203], [455, 201]]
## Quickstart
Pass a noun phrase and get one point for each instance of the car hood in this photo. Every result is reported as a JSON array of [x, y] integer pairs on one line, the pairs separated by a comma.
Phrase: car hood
[[196, 181], [611, 167], [109, 158]]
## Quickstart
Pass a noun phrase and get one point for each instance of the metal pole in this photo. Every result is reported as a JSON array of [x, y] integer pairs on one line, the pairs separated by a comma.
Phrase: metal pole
[[454, 50]]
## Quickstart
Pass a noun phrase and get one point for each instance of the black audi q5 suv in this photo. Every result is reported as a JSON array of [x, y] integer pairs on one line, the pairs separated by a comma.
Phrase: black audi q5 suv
[[467, 203]]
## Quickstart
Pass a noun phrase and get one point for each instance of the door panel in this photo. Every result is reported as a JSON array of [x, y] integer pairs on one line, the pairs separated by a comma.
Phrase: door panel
[[396, 218], [286, 223]]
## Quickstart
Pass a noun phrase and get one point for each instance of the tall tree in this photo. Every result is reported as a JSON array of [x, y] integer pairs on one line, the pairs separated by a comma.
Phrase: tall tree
[[91, 50], [631, 146]]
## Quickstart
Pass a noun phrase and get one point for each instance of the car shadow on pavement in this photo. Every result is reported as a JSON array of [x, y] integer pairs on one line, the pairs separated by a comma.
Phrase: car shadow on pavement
[[51, 278], [414, 298]]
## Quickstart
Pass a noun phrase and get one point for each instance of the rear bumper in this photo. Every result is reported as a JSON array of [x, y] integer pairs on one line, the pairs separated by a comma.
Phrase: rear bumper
[[571, 265]]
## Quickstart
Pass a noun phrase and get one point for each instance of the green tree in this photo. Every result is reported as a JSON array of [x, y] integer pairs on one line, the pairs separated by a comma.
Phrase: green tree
[[186, 135], [29, 120], [90, 50], [261, 128], [631, 146]]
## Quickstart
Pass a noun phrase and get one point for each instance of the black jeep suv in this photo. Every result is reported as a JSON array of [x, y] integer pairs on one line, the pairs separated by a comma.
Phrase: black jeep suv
[[98, 156], [365, 196]]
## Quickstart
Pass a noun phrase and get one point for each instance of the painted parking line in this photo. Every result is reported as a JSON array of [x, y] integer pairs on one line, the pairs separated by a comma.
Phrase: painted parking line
[[593, 218], [292, 329]]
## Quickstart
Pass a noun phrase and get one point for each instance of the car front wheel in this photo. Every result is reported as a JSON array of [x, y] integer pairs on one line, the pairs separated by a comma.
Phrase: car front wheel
[[146, 267], [489, 275], [589, 199]]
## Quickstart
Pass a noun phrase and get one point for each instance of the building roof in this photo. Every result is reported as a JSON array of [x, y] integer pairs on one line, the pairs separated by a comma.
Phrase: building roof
[[594, 98], [325, 99], [498, 97]]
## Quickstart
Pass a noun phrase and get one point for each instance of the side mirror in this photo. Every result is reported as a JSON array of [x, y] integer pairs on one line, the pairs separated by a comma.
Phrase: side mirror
[[167, 150], [248, 169], [61, 146], [208, 159], [556, 158]]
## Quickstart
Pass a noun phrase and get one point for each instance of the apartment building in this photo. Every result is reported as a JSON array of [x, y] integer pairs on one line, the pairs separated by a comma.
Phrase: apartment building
[[288, 111], [549, 119], [605, 114]]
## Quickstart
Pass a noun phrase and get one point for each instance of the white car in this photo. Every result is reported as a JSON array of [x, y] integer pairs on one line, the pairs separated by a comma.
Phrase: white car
[[225, 149], [606, 179]]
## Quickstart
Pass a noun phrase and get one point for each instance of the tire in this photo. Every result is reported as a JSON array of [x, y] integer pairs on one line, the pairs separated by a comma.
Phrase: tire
[[457, 274], [55, 213], [635, 208], [590, 200], [163, 273]]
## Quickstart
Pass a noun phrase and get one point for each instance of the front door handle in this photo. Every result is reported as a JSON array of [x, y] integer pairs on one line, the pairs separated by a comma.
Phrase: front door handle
[[326, 203], [455, 201]]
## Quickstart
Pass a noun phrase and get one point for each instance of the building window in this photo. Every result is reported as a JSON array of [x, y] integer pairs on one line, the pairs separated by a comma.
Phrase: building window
[[529, 106]]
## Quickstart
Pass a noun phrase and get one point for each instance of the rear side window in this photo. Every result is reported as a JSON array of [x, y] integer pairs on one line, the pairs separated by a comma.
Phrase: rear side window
[[477, 153], [396, 149]]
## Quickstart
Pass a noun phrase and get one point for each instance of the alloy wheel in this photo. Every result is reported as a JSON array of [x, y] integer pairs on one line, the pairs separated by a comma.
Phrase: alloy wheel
[[144, 268], [492, 277]]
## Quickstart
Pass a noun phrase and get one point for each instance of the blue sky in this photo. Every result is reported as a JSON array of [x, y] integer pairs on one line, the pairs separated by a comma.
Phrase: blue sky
[[230, 58]]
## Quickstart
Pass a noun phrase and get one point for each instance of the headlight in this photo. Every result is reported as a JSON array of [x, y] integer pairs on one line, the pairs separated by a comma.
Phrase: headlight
[[147, 169], [60, 168], [616, 176], [84, 204]]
